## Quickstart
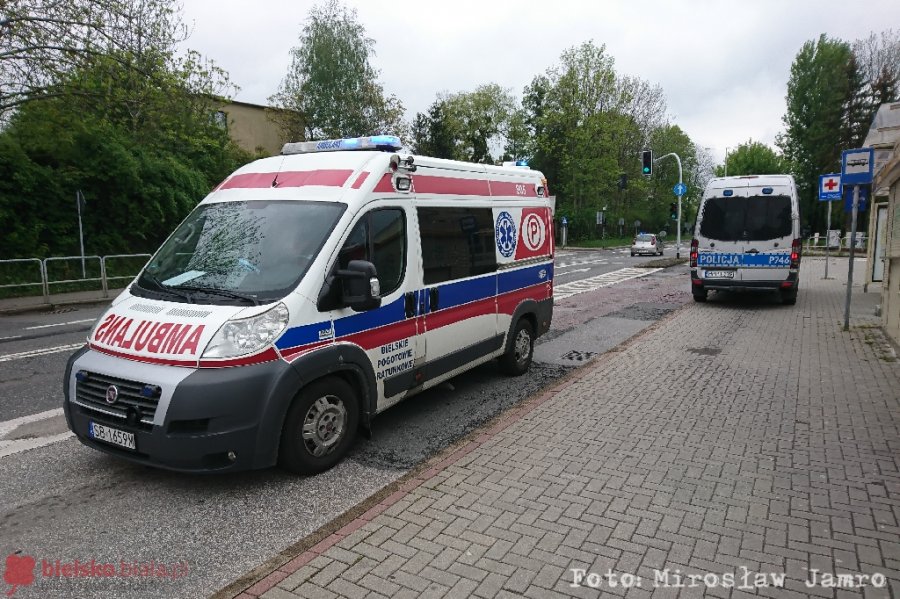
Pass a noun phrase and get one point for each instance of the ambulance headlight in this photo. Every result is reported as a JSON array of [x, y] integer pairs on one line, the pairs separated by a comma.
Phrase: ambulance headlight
[[247, 335]]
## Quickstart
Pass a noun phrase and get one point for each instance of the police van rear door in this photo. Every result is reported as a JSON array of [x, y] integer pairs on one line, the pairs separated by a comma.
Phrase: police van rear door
[[768, 233], [720, 245]]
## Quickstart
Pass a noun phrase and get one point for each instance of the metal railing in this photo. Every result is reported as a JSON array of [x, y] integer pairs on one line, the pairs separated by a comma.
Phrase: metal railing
[[89, 265], [818, 243]]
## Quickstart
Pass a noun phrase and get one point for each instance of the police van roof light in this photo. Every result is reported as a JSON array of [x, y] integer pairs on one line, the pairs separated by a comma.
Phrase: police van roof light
[[767, 190], [728, 192], [389, 143]]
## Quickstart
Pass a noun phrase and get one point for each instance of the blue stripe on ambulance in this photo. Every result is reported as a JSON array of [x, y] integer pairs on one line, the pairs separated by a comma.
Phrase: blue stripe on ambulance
[[450, 295]]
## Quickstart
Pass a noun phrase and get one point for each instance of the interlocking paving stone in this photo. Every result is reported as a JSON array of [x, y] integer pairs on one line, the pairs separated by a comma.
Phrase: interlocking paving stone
[[773, 448]]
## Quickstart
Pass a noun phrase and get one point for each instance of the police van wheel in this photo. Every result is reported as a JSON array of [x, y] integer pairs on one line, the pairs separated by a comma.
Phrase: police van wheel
[[320, 427], [517, 358]]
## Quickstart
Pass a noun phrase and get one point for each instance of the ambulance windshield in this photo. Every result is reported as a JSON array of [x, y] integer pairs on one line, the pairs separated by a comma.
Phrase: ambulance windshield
[[239, 252]]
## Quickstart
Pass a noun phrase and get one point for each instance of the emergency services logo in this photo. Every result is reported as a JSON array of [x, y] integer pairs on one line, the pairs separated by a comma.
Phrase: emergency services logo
[[533, 232], [505, 232]]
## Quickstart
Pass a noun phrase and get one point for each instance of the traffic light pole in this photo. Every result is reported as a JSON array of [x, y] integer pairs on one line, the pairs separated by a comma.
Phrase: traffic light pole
[[680, 186]]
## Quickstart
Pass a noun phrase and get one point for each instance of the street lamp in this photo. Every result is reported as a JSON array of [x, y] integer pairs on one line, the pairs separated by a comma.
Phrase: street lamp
[[726, 161]]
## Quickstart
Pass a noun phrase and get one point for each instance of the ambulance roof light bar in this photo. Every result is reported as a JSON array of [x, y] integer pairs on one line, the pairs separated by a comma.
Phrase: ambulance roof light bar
[[387, 143]]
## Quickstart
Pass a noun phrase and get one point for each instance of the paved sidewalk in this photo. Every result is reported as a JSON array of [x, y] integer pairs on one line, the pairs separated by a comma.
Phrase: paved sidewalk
[[738, 438]]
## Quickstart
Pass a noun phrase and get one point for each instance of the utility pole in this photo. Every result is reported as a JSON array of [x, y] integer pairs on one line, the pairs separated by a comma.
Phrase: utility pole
[[679, 191], [79, 199]]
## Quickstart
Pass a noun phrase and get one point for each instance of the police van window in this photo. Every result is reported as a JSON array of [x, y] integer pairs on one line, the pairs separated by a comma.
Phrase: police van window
[[456, 243], [755, 217], [380, 238]]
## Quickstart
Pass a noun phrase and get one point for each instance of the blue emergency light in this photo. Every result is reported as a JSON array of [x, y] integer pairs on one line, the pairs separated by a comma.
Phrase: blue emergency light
[[728, 192], [767, 190], [390, 143]]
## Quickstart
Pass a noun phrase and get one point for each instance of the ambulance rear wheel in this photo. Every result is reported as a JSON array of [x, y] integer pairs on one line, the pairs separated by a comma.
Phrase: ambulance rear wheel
[[320, 427], [517, 358]]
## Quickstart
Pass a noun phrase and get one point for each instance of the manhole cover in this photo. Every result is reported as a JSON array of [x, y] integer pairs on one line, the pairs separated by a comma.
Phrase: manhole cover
[[62, 310], [705, 351], [578, 356]]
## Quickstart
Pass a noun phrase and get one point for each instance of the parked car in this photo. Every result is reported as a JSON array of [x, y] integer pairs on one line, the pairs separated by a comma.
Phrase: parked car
[[646, 243]]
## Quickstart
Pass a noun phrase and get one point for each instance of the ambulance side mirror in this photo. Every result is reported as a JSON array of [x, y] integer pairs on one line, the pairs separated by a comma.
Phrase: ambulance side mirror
[[360, 289]]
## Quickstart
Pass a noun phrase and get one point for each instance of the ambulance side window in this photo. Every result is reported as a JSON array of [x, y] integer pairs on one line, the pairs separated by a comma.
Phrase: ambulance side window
[[456, 243], [380, 238]]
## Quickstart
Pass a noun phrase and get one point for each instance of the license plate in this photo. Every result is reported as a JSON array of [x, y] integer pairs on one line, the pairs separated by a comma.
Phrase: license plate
[[719, 274], [107, 434]]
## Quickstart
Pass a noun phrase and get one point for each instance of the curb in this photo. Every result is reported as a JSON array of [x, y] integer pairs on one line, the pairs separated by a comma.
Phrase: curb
[[274, 570], [57, 305]]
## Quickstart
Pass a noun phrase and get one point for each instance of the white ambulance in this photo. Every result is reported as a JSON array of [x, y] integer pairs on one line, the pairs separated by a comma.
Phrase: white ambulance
[[307, 293]]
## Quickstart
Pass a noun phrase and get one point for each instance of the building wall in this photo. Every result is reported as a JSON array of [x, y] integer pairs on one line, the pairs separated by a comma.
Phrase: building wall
[[251, 127], [890, 289]]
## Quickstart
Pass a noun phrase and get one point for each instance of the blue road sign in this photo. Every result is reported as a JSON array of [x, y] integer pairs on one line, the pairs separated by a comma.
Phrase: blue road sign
[[848, 198], [857, 166], [565, 221], [830, 187], [680, 189]]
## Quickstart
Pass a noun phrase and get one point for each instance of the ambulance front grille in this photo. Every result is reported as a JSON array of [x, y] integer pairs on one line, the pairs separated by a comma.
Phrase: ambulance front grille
[[130, 408]]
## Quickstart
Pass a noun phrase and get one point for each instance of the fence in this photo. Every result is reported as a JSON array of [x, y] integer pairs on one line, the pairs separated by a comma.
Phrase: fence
[[59, 274], [817, 242]]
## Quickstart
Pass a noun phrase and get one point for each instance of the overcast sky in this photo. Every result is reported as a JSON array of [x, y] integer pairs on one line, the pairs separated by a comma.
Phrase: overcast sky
[[723, 65]]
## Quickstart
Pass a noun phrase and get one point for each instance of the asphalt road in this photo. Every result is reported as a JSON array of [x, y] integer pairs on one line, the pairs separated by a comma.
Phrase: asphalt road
[[63, 501]]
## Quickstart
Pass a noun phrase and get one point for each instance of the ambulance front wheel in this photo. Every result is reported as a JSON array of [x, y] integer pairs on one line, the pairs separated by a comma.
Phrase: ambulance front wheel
[[517, 358], [320, 427]]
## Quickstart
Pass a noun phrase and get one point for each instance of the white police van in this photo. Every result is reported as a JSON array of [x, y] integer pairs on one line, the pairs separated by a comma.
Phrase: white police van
[[747, 237], [307, 293]]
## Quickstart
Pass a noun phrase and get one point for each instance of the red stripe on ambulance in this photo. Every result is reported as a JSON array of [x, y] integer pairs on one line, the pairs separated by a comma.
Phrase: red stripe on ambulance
[[324, 178]]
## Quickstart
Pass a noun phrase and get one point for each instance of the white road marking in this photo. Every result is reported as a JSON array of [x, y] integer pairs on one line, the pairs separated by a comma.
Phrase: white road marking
[[60, 324], [583, 263], [39, 352], [605, 280], [9, 425], [13, 446], [571, 272], [8, 448], [13, 337]]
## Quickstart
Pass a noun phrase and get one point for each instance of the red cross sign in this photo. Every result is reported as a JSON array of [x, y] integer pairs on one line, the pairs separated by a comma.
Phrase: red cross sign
[[830, 187]]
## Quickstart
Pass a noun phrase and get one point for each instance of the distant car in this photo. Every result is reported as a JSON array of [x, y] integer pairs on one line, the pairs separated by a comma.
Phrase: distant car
[[645, 243]]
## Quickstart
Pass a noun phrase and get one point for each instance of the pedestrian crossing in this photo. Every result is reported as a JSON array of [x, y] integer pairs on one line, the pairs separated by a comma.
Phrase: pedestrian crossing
[[605, 280]]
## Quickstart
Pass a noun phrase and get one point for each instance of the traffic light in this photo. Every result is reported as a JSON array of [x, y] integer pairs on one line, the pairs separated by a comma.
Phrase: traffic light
[[673, 211], [647, 162], [623, 181]]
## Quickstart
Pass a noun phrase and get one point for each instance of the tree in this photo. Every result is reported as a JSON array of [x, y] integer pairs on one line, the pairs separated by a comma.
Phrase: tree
[[816, 94], [857, 109], [753, 158], [878, 59], [128, 124], [42, 42], [331, 83], [479, 119], [588, 126], [433, 133]]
